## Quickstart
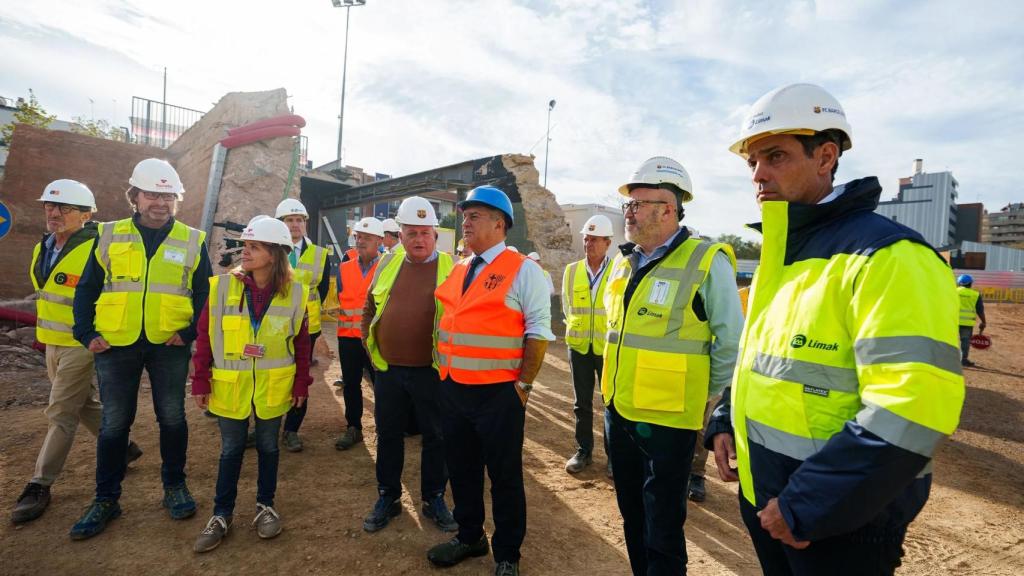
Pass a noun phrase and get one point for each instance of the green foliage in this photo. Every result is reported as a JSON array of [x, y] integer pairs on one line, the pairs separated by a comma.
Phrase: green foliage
[[450, 220], [744, 249], [31, 113]]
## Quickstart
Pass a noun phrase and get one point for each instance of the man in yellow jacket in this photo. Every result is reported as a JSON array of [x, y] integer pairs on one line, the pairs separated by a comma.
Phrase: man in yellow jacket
[[136, 308], [849, 375]]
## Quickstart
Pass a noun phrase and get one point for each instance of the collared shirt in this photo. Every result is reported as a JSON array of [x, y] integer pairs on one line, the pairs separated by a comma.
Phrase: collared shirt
[[593, 277], [529, 294], [52, 254], [431, 258], [835, 193], [364, 268], [656, 253]]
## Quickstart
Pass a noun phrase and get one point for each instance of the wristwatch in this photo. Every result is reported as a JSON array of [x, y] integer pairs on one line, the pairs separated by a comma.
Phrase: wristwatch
[[524, 386]]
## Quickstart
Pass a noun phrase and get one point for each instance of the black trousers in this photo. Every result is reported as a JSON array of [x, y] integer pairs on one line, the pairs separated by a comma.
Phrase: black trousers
[[483, 428], [586, 372], [652, 469], [868, 551], [293, 421], [965, 341], [396, 391], [353, 361]]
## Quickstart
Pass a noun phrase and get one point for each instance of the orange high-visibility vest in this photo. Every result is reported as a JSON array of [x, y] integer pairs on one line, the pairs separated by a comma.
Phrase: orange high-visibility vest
[[353, 297], [480, 339]]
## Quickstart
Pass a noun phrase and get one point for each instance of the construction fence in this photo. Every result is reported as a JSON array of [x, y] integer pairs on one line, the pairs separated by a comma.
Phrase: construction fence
[[998, 286]]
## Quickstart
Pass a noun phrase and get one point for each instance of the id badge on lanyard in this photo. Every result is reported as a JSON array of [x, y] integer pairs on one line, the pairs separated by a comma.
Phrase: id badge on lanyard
[[253, 350]]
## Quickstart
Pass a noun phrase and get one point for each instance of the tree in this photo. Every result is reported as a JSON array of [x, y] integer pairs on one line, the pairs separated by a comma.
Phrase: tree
[[31, 113], [97, 129], [744, 249], [450, 220]]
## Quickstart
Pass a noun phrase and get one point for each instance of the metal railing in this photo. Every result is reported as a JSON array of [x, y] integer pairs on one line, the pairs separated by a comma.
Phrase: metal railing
[[158, 124]]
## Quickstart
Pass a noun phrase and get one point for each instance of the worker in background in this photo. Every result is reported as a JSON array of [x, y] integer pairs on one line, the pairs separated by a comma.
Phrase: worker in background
[[547, 275], [461, 251], [310, 267], [971, 308], [392, 235], [399, 330], [136, 308], [583, 287], [57, 264], [252, 357], [354, 278], [493, 334], [849, 375], [673, 330]]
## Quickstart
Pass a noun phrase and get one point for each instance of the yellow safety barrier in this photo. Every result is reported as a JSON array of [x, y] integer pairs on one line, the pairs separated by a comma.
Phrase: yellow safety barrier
[[994, 294], [330, 306]]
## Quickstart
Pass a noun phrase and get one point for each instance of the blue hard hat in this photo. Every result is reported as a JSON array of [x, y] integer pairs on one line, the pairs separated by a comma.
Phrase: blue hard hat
[[964, 280], [491, 197]]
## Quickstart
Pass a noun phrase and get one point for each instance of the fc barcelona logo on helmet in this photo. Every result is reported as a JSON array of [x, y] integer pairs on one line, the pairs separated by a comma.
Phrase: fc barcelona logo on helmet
[[421, 214]]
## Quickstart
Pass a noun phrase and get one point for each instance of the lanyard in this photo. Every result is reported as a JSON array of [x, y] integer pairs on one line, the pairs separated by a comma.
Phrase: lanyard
[[597, 277], [253, 321]]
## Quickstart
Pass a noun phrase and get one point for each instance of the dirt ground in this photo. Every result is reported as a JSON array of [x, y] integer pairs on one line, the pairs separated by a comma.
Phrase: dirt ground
[[973, 523]]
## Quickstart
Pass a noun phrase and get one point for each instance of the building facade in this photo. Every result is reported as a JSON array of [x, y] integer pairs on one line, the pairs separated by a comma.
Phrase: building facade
[[926, 202]]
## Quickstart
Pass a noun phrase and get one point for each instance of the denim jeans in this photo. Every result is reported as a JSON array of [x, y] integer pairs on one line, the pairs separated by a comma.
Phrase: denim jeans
[[585, 370], [233, 434], [119, 371]]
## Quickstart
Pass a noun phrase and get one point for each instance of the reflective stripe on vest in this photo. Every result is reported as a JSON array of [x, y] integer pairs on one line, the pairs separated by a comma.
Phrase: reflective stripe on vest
[[54, 299], [585, 320], [310, 271], [480, 339], [154, 295], [352, 298], [657, 367], [968, 305], [380, 289], [238, 382]]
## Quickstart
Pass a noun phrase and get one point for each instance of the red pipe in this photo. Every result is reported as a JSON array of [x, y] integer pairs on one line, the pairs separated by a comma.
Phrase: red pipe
[[258, 134], [21, 317], [285, 120]]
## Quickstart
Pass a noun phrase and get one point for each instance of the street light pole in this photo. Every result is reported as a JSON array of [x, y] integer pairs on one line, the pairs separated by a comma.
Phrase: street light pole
[[551, 106], [347, 5]]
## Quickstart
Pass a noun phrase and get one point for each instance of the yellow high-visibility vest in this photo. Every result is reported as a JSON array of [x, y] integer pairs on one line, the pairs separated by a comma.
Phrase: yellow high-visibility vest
[[310, 271], [585, 321], [54, 299], [968, 305]]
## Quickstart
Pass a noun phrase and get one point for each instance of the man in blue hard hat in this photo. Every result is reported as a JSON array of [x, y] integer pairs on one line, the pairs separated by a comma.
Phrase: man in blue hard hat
[[971, 308]]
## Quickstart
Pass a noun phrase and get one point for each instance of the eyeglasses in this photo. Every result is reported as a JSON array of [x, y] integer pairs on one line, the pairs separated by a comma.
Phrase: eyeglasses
[[633, 205], [165, 196], [64, 208]]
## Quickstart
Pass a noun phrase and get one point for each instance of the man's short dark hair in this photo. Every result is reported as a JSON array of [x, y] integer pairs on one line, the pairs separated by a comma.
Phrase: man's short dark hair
[[812, 142]]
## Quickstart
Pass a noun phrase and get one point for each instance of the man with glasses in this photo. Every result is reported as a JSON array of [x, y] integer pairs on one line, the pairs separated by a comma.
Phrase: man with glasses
[[57, 264], [142, 291], [673, 330]]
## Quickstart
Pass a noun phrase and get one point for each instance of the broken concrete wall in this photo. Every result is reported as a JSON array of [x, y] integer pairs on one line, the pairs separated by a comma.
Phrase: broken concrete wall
[[39, 156], [254, 174]]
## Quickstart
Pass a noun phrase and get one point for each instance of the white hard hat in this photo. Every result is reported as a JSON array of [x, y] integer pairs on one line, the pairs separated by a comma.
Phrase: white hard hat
[[266, 229], [417, 211], [390, 225], [514, 249], [370, 225], [660, 170], [793, 109], [68, 192], [598, 225], [290, 207], [533, 256], [155, 175]]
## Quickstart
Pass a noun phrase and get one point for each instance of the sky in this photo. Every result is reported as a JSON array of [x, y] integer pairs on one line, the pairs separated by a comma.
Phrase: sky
[[439, 82]]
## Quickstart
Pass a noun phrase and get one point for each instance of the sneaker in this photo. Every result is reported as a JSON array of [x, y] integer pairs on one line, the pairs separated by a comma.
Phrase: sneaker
[[454, 551], [267, 521], [179, 502], [506, 568], [578, 462], [967, 363], [215, 531], [133, 453], [383, 511], [95, 519], [696, 490], [350, 438], [292, 442], [436, 509], [31, 504]]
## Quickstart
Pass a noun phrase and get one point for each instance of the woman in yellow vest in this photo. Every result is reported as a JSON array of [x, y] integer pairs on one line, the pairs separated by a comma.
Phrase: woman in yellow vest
[[252, 354]]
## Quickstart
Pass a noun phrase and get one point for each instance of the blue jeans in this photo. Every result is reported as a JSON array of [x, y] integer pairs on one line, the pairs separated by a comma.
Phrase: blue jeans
[[119, 371], [232, 447]]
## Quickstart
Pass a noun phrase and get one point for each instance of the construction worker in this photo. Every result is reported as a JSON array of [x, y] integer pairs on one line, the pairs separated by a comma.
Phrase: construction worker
[[309, 266], [392, 233], [583, 286], [252, 357], [492, 337], [136, 308], [354, 278], [57, 264], [971, 308], [673, 329], [547, 275], [849, 374], [399, 330]]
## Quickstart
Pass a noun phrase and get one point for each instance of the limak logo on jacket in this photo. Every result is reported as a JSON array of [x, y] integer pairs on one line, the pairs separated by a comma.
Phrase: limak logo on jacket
[[799, 341]]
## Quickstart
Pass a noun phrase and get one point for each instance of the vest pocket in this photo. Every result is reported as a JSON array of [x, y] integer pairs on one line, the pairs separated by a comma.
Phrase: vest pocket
[[225, 392], [659, 382], [231, 326], [110, 311], [279, 385], [125, 262], [175, 312]]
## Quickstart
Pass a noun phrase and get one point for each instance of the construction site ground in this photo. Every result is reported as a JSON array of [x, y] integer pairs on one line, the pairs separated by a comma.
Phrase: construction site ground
[[973, 523]]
